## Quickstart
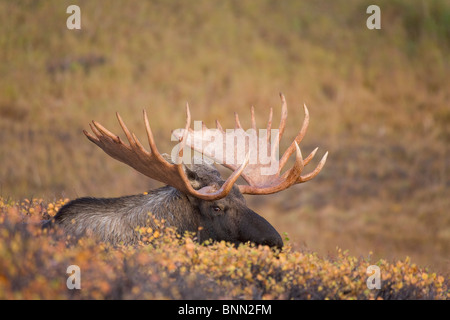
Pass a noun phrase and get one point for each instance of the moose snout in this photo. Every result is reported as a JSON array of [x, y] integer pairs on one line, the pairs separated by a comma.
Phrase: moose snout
[[274, 241], [259, 231]]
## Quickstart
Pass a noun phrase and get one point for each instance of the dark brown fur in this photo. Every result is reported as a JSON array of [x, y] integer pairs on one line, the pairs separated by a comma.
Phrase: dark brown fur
[[115, 219]]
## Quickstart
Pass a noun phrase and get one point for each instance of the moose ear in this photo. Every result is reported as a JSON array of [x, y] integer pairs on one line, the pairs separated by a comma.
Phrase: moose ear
[[204, 167], [191, 175], [167, 157], [193, 178]]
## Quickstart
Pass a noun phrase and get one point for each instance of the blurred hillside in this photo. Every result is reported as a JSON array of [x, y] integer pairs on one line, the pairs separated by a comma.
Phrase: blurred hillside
[[379, 102]]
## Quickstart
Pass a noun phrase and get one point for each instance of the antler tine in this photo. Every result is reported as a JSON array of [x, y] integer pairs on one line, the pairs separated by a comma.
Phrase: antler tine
[[297, 139], [252, 110], [237, 122], [102, 131], [183, 139], [316, 171], [219, 126], [179, 160], [269, 124], [292, 174], [311, 155], [283, 117], [130, 137], [151, 140], [281, 126], [90, 136]]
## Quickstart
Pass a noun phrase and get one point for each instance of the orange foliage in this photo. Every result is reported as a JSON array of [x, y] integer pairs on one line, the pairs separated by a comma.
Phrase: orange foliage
[[33, 264]]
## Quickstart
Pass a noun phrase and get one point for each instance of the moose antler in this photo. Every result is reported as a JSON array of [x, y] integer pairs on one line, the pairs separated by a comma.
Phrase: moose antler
[[258, 183], [152, 164]]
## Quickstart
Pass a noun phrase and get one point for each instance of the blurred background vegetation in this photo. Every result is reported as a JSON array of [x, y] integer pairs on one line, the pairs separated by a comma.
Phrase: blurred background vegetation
[[378, 99]]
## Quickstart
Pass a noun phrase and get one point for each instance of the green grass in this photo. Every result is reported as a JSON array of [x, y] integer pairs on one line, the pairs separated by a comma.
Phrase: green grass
[[379, 103]]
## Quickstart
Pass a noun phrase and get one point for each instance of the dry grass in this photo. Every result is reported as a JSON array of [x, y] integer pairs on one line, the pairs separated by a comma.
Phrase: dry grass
[[379, 102]]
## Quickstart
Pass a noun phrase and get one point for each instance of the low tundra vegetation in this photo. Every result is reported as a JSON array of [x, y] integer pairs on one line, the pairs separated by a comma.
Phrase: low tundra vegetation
[[34, 262]]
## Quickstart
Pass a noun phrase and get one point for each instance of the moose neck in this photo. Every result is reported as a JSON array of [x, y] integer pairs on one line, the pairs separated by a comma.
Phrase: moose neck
[[115, 220], [164, 203]]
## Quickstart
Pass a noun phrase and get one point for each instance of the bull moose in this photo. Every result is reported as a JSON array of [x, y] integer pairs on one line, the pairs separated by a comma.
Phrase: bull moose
[[195, 198]]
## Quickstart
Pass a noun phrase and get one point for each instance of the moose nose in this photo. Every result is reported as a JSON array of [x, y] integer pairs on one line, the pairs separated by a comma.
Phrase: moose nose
[[275, 242], [258, 230]]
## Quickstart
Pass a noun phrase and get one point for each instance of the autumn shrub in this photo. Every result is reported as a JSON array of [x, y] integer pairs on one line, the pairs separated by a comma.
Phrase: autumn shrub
[[166, 265]]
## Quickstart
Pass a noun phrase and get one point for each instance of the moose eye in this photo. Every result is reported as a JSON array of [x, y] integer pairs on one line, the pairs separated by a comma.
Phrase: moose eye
[[216, 208]]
